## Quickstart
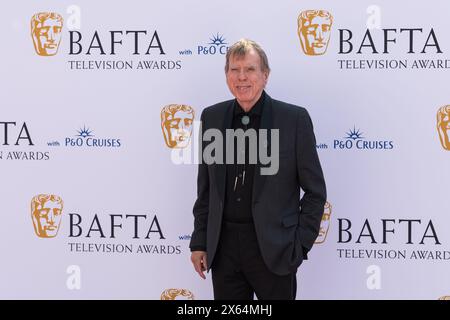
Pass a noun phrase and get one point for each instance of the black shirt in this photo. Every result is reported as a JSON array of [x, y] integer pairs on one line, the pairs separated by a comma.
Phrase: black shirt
[[239, 177]]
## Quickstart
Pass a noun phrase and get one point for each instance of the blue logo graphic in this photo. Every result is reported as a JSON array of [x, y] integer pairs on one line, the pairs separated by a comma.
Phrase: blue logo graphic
[[354, 134], [216, 45], [355, 140], [217, 40], [84, 133], [85, 138]]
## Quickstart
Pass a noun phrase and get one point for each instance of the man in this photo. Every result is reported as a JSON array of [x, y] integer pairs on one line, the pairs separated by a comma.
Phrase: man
[[314, 30], [252, 229], [46, 30]]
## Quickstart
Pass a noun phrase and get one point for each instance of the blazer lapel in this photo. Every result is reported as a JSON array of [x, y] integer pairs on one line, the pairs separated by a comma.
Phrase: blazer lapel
[[221, 168], [266, 123]]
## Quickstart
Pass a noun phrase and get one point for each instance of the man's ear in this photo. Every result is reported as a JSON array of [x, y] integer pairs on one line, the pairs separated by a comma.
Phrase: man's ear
[[266, 76]]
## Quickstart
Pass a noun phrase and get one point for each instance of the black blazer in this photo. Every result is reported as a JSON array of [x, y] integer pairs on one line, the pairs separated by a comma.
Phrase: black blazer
[[286, 226]]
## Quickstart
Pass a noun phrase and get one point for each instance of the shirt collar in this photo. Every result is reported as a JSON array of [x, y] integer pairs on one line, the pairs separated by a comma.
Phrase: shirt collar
[[256, 110]]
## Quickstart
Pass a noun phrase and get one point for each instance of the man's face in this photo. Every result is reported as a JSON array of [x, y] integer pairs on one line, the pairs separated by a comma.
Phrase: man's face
[[47, 36], [314, 35], [443, 124], [46, 218], [245, 79], [178, 128]]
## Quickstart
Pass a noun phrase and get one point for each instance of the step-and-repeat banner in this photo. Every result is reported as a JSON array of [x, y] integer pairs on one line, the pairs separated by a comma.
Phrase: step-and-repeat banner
[[99, 107]]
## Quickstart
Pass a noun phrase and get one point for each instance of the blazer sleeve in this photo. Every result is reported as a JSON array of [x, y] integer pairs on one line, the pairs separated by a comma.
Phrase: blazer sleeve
[[201, 206], [312, 182]]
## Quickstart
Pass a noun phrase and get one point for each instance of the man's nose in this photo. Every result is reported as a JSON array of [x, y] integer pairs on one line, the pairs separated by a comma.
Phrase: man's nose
[[242, 75]]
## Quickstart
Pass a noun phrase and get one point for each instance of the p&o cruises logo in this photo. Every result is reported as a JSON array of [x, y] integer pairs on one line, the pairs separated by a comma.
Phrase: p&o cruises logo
[[217, 45], [85, 138], [356, 139]]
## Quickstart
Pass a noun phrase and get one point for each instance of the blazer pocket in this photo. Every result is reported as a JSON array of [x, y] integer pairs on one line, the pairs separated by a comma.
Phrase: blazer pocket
[[290, 220]]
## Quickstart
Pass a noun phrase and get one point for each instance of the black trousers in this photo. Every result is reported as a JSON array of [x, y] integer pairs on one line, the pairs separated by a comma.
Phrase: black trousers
[[239, 272]]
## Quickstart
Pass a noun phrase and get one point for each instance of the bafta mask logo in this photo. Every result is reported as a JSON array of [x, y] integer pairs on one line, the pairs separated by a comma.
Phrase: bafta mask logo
[[177, 294], [46, 211], [314, 30], [177, 121], [46, 30], [443, 126], [324, 224]]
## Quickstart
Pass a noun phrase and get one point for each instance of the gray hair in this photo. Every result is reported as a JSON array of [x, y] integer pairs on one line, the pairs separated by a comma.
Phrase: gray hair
[[241, 48]]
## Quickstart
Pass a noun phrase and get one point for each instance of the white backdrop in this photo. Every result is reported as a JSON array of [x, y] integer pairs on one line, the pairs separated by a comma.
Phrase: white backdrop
[[409, 180]]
